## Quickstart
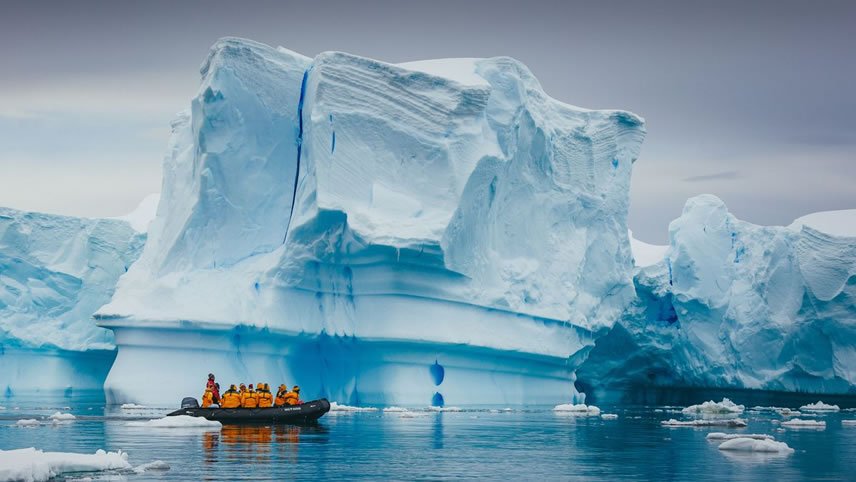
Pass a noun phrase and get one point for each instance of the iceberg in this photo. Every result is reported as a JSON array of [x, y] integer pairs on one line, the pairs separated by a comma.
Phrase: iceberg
[[417, 234], [748, 444], [55, 272], [736, 305], [35, 465]]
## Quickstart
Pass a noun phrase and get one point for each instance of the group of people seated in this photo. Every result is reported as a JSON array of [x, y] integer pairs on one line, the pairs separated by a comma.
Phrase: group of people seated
[[247, 397]]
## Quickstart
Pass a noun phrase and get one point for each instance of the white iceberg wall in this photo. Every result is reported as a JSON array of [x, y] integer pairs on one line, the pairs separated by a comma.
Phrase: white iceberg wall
[[466, 221], [55, 272], [738, 305]]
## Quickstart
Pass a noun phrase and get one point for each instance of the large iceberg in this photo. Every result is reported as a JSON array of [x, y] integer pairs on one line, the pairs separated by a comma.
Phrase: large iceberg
[[736, 305], [414, 234], [55, 271]]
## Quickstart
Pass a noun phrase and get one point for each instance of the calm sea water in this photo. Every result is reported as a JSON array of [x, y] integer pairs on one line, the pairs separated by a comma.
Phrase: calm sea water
[[519, 444]]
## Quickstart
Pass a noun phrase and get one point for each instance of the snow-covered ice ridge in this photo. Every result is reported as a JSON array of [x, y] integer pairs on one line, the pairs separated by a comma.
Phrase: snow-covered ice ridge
[[737, 305], [55, 272], [418, 230]]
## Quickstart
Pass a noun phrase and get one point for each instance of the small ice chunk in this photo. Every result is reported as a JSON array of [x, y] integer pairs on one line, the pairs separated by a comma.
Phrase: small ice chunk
[[729, 436], [27, 422], [820, 407], [848, 423], [132, 406], [609, 416], [62, 417], [725, 407], [787, 412], [395, 409], [155, 465], [445, 409], [34, 465], [747, 444], [579, 408], [799, 423], [730, 422], [335, 407], [178, 421]]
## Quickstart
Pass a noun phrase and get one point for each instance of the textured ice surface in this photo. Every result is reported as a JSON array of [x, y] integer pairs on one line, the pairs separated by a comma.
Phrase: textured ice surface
[[800, 423], [430, 233], [725, 407], [741, 306], [579, 408], [178, 421], [730, 436], [820, 407], [722, 422], [55, 271], [748, 444], [34, 465]]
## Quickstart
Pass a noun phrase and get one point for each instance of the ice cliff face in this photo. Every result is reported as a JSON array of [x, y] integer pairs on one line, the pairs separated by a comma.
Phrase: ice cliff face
[[381, 233], [739, 305], [55, 271]]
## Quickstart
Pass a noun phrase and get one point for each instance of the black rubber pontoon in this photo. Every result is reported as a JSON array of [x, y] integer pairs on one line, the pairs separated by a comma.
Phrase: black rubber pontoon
[[304, 413]]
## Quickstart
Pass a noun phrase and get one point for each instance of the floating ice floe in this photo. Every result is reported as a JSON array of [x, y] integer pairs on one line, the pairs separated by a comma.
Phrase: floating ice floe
[[2, 407], [445, 409], [335, 407], [849, 423], [577, 409], [178, 421], [609, 416], [62, 417], [731, 422], [27, 422], [746, 444], [725, 407], [820, 407], [395, 409], [729, 436], [132, 406], [799, 423], [159, 465], [787, 412], [34, 465]]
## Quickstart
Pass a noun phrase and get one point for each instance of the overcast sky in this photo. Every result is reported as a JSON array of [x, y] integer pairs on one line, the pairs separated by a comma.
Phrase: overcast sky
[[751, 101]]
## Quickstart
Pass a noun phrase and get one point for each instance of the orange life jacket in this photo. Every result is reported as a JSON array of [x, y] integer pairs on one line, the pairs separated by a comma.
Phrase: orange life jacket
[[265, 399], [231, 399], [291, 398], [207, 399], [280, 397], [250, 400]]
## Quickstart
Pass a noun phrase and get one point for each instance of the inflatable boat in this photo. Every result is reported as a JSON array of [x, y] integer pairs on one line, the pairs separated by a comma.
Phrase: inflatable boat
[[307, 412]]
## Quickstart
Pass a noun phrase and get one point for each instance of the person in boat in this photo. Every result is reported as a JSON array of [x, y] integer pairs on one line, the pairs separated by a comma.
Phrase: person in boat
[[293, 397], [250, 399], [214, 386], [231, 398], [280, 396], [208, 398], [265, 397]]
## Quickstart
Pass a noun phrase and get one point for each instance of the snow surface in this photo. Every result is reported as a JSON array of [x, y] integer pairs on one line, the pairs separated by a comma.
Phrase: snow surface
[[27, 422], [395, 409], [143, 215], [820, 407], [799, 423], [729, 436], [444, 212], [747, 444], [133, 406], [35, 465], [737, 305], [729, 422], [836, 223], [579, 408], [178, 421], [724, 407]]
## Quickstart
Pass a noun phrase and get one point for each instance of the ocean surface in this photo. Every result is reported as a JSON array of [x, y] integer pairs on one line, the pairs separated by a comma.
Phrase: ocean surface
[[487, 443]]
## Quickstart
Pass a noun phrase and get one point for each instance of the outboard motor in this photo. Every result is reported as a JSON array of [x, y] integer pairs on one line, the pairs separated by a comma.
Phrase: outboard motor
[[189, 402]]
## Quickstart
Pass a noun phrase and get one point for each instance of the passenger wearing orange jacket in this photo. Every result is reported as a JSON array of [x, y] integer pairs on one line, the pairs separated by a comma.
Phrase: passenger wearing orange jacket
[[250, 398], [265, 397], [207, 398], [280, 396], [293, 397], [231, 399]]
